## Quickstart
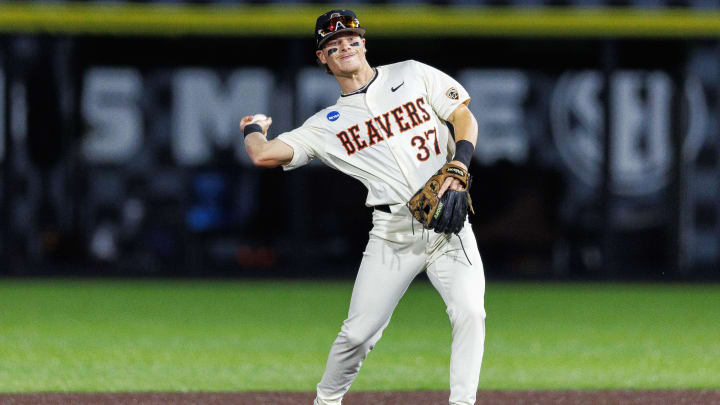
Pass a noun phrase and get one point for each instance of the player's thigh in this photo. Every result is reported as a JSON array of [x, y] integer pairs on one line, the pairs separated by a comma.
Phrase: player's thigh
[[386, 271], [460, 282]]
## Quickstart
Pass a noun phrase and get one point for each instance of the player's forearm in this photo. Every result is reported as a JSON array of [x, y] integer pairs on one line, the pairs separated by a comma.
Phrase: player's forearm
[[466, 132], [266, 153]]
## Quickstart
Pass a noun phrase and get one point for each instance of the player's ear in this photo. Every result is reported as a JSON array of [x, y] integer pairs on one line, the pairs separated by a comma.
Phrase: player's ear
[[321, 56]]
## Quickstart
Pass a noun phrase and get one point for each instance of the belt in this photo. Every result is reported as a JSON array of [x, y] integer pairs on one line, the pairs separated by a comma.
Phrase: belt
[[383, 208]]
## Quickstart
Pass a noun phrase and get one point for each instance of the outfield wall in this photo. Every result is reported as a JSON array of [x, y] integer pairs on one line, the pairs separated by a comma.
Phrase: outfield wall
[[597, 154]]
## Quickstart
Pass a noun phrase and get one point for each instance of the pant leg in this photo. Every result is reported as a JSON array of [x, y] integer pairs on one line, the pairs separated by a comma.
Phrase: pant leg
[[386, 271], [462, 287]]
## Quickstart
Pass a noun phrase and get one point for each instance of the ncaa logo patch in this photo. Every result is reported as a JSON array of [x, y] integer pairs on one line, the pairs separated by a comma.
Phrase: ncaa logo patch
[[333, 116]]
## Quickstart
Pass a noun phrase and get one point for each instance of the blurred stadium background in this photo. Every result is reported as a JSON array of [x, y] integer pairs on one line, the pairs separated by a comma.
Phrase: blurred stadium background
[[597, 156]]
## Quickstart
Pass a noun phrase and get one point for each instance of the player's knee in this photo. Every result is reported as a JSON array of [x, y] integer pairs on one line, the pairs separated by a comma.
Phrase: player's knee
[[468, 312], [360, 338], [356, 339]]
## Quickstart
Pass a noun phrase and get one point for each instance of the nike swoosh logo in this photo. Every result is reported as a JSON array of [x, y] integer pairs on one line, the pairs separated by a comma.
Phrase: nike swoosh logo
[[395, 88]]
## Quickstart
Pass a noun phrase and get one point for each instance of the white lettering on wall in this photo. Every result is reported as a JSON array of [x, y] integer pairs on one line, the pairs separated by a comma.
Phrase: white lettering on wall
[[497, 103], [640, 128], [206, 112], [576, 114], [110, 107], [641, 152], [698, 120]]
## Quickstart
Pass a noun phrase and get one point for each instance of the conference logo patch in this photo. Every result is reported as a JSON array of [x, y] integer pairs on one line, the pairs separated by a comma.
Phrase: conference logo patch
[[452, 93], [333, 116]]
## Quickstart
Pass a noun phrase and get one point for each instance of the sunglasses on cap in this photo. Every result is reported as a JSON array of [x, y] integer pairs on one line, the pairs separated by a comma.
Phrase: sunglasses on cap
[[337, 23]]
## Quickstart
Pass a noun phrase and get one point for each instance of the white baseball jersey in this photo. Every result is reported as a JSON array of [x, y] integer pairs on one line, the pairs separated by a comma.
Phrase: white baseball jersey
[[392, 137]]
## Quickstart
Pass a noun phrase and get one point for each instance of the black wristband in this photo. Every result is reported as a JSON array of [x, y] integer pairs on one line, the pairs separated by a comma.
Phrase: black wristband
[[250, 128], [464, 151]]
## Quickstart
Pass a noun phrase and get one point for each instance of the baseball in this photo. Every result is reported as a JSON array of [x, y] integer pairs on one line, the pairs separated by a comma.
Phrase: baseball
[[258, 117]]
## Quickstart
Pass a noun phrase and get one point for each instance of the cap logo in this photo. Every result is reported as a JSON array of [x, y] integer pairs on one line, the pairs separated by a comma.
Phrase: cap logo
[[333, 116], [336, 22]]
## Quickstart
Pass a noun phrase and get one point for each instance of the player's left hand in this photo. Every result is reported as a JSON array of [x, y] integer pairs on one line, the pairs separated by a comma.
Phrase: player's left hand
[[452, 183]]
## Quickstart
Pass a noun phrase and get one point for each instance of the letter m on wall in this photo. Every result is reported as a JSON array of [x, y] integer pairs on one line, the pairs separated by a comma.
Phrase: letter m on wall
[[206, 111]]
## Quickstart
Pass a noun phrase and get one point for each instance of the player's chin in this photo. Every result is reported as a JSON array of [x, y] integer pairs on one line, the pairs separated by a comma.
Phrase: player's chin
[[349, 65]]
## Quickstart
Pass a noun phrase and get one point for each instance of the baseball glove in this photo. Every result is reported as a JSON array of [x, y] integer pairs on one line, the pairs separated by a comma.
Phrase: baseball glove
[[446, 214]]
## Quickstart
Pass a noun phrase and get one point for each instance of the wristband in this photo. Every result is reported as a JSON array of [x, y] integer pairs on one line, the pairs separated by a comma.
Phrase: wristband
[[250, 128], [464, 151]]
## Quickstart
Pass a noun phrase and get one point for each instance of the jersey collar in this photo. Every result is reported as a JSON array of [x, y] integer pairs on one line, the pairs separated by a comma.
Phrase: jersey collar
[[364, 88]]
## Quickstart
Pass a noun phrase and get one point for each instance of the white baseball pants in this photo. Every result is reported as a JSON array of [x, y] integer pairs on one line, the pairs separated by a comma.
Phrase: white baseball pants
[[389, 265]]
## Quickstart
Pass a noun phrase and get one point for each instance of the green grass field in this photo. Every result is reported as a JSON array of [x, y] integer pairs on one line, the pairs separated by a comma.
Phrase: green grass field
[[257, 336]]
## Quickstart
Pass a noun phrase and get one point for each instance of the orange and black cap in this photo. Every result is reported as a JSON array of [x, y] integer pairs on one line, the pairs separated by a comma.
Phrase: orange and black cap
[[334, 22]]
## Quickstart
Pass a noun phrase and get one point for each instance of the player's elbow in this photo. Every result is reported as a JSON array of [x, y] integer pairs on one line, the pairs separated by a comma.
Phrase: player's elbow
[[267, 164], [264, 161], [463, 115], [259, 156], [269, 154], [465, 124]]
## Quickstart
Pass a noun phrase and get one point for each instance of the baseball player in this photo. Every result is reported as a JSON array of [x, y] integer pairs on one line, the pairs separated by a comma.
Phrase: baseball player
[[389, 129]]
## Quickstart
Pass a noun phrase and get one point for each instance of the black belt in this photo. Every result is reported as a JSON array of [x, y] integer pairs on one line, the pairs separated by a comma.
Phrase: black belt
[[383, 208]]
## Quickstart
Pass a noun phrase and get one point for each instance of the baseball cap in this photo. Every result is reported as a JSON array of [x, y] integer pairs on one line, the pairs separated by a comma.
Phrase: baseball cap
[[333, 22]]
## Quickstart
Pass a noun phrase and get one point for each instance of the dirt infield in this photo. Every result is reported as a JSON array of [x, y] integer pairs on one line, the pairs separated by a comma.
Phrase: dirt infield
[[674, 397]]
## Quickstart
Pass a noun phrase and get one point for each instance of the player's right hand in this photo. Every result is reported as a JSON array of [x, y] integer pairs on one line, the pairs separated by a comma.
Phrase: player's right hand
[[264, 123], [452, 183]]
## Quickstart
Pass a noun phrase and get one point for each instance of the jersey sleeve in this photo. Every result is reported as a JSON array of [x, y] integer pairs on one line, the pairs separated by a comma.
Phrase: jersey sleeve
[[445, 93], [300, 140]]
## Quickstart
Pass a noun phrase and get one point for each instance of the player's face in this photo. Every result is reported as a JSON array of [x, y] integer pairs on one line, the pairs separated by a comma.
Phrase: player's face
[[344, 54]]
